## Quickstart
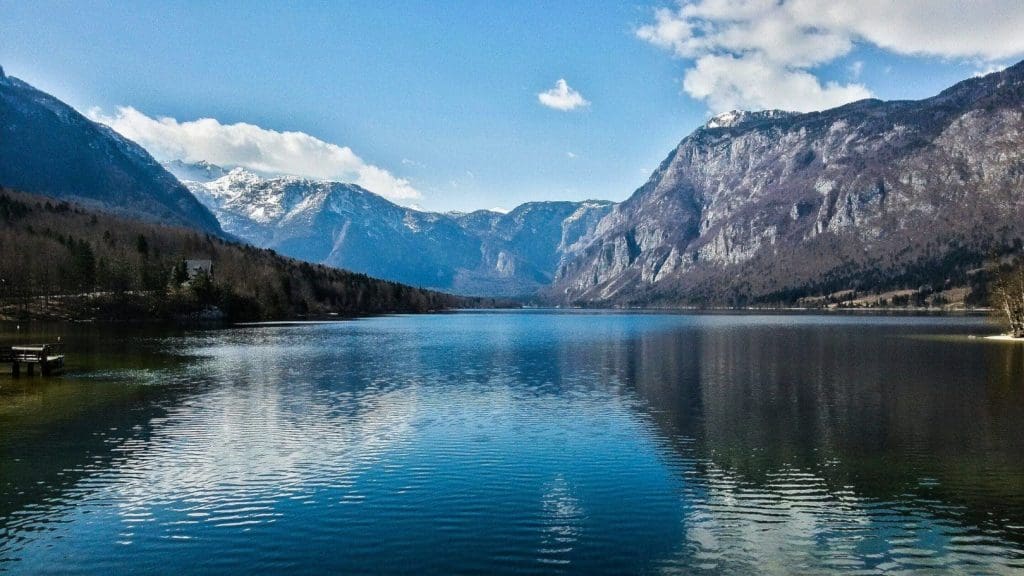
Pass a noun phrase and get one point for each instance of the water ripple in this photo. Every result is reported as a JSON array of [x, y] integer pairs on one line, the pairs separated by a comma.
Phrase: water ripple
[[523, 444]]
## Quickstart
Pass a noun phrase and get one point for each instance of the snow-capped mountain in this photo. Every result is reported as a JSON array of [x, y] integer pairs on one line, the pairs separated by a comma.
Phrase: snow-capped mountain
[[480, 253], [48, 148]]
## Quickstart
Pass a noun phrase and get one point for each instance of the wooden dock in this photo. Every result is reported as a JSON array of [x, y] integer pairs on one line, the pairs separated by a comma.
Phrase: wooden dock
[[46, 356]]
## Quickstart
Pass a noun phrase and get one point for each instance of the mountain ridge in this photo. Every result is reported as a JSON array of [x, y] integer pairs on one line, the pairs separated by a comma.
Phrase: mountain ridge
[[751, 207], [476, 253], [47, 147]]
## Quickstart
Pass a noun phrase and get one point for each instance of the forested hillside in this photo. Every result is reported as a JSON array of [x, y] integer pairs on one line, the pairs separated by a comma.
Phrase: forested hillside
[[59, 260]]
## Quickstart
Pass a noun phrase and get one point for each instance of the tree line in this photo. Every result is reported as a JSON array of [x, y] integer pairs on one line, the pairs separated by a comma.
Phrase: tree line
[[62, 260]]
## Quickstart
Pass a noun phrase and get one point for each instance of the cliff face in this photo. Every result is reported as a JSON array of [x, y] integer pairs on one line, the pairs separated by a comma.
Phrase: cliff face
[[770, 205]]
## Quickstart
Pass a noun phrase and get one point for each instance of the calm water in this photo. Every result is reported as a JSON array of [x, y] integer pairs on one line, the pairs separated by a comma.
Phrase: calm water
[[521, 443]]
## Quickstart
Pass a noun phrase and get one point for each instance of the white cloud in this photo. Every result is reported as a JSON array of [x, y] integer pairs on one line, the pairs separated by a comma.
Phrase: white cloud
[[730, 83], [253, 147], [987, 29], [571, 155], [562, 97], [761, 53]]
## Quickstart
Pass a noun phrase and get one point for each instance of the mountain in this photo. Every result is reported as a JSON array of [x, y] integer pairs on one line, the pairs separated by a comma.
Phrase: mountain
[[48, 148], [774, 206], [521, 250], [201, 171], [343, 225]]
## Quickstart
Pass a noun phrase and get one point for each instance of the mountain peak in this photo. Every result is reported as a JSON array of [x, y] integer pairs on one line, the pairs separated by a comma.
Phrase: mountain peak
[[201, 171], [725, 119], [241, 174], [46, 147], [238, 171], [735, 118], [773, 206]]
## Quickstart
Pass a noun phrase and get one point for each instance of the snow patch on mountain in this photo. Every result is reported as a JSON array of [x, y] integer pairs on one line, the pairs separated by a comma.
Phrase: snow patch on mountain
[[481, 253], [735, 118]]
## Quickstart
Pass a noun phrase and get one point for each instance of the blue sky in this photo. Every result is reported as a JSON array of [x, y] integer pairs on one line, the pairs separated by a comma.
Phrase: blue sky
[[444, 95]]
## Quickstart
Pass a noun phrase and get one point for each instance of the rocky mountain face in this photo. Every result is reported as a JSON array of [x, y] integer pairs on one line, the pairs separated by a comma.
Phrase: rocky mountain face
[[343, 225], [772, 206], [48, 148]]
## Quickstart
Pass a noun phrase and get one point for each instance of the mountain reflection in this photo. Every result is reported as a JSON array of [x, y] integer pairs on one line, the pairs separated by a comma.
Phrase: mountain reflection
[[812, 439]]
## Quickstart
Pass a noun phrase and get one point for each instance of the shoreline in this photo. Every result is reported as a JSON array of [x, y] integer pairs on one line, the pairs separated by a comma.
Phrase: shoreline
[[1003, 338], [780, 310], [341, 317]]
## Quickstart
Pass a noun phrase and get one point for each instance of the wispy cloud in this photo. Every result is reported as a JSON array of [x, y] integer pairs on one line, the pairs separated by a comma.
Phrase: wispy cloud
[[253, 147], [562, 97], [856, 68], [985, 69], [763, 53]]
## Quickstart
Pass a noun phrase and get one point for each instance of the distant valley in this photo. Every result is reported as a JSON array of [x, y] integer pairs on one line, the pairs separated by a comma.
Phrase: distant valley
[[482, 253]]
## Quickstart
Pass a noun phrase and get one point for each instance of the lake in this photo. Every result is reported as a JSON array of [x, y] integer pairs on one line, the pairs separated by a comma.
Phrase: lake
[[520, 442]]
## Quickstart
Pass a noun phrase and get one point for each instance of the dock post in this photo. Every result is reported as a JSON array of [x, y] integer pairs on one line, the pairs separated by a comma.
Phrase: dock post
[[16, 369]]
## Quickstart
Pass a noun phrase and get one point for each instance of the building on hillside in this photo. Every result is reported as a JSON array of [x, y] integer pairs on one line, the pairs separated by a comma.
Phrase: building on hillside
[[194, 267]]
